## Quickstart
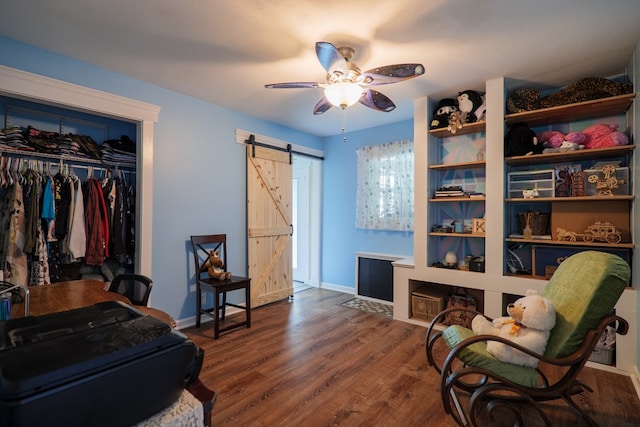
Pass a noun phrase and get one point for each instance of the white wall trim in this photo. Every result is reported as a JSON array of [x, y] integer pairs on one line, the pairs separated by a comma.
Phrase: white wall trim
[[635, 379], [338, 288], [44, 90], [243, 135], [25, 85]]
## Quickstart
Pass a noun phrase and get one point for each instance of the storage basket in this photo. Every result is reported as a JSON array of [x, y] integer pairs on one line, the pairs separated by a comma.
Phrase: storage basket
[[538, 222], [426, 303], [602, 355]]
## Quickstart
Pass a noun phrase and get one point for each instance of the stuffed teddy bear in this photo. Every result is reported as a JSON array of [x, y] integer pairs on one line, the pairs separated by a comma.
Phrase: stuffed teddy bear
[[529, 324], [214, 267], [455, 121], [441, 113], [471, 105], [602, 135]]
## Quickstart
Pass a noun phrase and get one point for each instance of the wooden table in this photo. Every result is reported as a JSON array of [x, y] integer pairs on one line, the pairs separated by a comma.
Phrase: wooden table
[[64, 296]]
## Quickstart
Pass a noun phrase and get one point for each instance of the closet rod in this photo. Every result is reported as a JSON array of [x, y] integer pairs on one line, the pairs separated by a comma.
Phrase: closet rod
[[63, 158]]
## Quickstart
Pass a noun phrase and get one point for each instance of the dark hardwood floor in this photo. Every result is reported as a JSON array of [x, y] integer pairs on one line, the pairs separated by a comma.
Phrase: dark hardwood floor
[[313, 362]]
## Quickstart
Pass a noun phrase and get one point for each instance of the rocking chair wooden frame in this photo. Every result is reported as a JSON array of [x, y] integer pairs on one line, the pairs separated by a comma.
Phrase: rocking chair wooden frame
[[490, 391]]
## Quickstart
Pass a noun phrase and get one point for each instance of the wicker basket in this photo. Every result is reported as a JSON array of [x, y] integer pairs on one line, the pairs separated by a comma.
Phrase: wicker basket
[[426, 303], [538, 222], [602, 355]]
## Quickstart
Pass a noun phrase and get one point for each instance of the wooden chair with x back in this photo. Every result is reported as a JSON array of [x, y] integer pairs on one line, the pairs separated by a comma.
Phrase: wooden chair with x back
[[204, 248]]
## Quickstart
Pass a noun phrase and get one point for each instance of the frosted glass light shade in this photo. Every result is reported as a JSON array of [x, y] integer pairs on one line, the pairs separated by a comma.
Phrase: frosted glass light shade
[[343, 94]]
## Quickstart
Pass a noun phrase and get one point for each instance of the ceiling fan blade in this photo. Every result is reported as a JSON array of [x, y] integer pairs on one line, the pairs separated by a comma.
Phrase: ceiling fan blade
[[292, 85], [331, 59], [392, 74], [322, 106], [374, 99]]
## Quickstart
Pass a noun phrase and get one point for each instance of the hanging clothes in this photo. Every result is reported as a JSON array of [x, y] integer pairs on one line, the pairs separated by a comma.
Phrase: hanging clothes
[[39, 260], [77, 235], [15, 261], [48, 222], [95, 252]]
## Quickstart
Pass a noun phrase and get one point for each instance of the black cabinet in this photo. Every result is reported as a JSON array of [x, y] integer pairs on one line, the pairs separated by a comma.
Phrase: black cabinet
[[375, 278]]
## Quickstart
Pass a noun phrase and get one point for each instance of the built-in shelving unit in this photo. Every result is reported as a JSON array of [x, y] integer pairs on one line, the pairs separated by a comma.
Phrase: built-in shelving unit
[[453, 161], [499, 285]]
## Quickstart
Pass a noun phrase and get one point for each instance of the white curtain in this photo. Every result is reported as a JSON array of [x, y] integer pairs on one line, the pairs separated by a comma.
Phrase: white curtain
[[385, 186]]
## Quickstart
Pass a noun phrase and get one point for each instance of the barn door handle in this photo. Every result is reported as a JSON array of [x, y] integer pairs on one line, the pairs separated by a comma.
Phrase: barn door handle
[[291, 234]]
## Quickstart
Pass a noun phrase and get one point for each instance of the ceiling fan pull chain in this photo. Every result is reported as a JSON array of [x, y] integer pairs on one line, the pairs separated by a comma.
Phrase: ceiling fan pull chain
[[344, 125]]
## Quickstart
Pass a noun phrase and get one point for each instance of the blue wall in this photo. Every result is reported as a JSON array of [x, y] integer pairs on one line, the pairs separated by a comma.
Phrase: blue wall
[[199, 177], [340, 237]]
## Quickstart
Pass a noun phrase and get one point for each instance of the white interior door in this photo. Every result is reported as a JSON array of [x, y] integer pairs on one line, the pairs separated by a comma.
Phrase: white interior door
[[301, 219], [308, 171]]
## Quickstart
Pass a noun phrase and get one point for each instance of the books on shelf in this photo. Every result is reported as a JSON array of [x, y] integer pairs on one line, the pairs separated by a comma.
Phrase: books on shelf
[[456, 191]]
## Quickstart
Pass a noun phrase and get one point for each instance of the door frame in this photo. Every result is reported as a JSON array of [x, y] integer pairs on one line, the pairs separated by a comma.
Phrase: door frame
[[313, 167]]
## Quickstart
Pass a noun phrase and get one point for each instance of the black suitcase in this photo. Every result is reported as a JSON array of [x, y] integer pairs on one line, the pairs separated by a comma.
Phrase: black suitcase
[[104, 365]]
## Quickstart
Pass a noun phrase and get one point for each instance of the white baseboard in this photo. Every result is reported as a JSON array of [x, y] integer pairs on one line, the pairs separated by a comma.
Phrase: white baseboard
[[635, 379], [338, 288], [191, 321]]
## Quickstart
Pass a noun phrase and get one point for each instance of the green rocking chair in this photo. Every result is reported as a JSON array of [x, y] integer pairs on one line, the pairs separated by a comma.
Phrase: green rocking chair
[[584, 290]]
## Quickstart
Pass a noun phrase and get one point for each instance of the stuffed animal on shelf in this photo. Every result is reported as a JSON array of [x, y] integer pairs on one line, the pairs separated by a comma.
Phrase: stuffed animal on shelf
[[521, 140], [471, 105], [553, 139], [529, 324], [587, 89], [455, 122], [214, 267], [441, 113], [603, 135]]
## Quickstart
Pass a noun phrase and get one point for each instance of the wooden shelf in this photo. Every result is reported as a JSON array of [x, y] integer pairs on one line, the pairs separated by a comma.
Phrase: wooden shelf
[[570, 199], [571, 156], [434, 233], [463, 165], [458, 199], [466, 129], [568, 113], [569, 243]]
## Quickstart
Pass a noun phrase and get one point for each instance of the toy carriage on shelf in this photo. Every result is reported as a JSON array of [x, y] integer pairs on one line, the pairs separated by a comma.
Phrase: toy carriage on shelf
[[601, 231]]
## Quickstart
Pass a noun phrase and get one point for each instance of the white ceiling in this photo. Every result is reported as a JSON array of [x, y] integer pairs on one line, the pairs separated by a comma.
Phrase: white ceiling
[[225, 51]]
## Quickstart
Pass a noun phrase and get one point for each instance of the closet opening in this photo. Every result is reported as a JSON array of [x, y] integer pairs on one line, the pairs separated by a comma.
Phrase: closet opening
[[67, 194]]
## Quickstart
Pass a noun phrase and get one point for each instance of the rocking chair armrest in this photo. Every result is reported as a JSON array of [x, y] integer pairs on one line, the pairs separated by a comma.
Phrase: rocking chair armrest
[[431, 337], [438, 317], [455, 351], [582, 353]]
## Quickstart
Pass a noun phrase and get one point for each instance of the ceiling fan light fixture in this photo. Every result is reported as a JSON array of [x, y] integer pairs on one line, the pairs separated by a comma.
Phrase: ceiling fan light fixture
[[343, 94]]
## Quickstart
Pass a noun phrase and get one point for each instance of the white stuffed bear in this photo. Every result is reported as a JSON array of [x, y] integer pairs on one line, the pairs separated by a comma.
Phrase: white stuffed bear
[[529, 324]]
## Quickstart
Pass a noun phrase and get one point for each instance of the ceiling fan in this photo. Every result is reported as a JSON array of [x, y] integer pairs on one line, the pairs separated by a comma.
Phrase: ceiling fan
[[346, 84]]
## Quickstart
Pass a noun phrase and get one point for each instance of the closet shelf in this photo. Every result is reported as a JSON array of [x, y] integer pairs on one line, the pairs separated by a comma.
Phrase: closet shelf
[[66, 158]]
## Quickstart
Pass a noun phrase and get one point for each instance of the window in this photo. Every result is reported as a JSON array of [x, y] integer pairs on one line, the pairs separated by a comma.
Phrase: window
[[385, 186]]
